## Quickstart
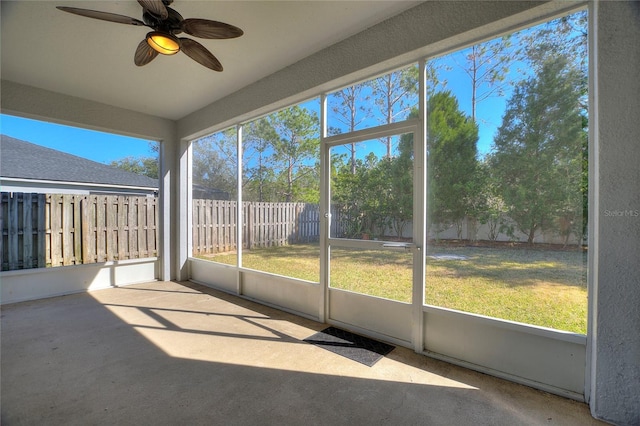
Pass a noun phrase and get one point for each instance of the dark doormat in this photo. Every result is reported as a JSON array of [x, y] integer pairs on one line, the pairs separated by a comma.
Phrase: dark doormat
[[357, 348]]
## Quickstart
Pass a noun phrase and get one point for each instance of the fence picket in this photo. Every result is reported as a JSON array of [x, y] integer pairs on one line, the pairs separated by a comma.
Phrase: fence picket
[[88, 253], [53, 240], [27, 231], [13, 226], [42, 231], [141, 228], [120, 228], [132, 228], [112, 229], [77, 230], [209, 236], [101, 228], [152, 226], [3, 215]]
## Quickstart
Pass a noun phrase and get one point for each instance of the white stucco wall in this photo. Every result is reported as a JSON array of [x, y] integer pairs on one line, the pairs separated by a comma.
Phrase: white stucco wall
[[615, 332], [32, 284]]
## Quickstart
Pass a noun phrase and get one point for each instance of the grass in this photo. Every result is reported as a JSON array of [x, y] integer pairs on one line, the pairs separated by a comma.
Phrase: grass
[[543, 287]]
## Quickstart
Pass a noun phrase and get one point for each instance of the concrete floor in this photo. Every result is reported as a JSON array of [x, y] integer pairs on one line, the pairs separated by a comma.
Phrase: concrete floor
[[178, 353]]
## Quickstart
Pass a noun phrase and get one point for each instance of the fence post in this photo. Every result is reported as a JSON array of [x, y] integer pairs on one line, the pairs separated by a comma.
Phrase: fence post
[[248, 217]]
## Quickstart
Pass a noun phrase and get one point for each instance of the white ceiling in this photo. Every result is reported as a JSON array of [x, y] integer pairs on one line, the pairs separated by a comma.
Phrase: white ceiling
[[92, 59]]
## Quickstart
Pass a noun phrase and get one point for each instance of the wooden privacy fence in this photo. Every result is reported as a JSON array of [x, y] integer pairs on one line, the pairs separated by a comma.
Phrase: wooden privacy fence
[[42, 230], [264, 225]]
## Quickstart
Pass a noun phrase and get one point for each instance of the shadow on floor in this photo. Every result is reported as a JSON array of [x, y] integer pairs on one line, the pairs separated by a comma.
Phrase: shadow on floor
[[180, 353]]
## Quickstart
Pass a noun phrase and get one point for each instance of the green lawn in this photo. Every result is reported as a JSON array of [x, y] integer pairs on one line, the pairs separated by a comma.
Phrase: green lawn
[[534, 286]]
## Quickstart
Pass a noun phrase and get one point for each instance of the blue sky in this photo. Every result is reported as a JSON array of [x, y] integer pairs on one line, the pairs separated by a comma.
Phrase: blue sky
[[488, 112], [104, 147], [97, 146]]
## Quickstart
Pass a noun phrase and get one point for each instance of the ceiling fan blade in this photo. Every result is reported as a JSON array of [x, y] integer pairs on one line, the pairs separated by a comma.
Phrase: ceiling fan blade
[[156, 7], [104, 16], [200, 54], [205, 28], [144, 54]]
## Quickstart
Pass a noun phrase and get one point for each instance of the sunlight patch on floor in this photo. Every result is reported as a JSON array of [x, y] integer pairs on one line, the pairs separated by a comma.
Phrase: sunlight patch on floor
[[210, 330]]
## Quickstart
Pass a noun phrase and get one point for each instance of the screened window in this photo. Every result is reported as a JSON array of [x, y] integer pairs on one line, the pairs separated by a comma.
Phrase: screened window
[[383, 100], [73, 196], [507, 177], [279, 200], [214, 197]]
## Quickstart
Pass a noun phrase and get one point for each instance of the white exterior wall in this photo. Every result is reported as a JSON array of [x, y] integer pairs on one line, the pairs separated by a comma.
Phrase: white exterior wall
[[31, 284], [615, 210]]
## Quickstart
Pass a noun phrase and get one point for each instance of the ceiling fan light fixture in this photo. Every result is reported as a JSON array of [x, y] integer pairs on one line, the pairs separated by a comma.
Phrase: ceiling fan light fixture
[[165, 23], [163, 43]]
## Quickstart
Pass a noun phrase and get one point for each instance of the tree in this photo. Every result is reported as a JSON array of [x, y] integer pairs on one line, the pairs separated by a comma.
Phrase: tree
[[401, 181], [215, 160], [348, 111], [395, 95], [568, 37], [349, 195], [490, 208], [565, 36], [296, 149], [537, 158], [434, 82], [145, 166], [258, 176], [487, 65], [451, 161]]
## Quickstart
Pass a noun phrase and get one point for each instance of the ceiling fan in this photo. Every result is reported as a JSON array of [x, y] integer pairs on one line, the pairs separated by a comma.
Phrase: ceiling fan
[[166, 23]]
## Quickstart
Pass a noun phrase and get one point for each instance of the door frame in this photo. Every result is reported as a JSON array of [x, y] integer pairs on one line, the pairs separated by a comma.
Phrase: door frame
[[414, 312]]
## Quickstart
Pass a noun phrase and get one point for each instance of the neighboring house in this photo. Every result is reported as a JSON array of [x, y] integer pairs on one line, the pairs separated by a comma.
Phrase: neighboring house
[[26, 167]]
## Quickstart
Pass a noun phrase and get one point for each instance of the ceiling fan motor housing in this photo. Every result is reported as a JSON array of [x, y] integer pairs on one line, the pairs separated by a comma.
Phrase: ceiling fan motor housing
[[170, 25]]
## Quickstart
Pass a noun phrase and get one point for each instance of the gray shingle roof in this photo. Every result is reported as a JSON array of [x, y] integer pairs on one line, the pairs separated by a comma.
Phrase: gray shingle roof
[[24, 160]]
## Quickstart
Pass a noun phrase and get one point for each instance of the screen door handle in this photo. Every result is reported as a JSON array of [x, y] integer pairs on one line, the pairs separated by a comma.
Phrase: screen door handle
[[399, 246]]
